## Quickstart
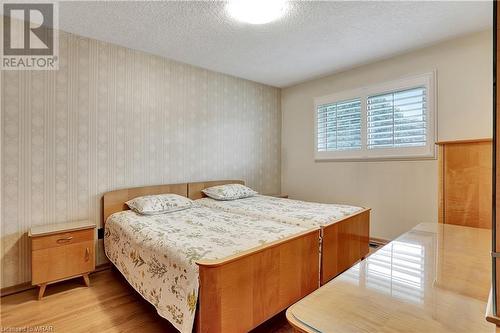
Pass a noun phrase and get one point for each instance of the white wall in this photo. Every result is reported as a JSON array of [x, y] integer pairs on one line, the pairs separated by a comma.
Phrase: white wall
[[401, 193]]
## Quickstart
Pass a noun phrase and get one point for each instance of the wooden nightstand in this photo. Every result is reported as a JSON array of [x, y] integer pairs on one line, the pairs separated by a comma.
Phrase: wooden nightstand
[[61, 251]]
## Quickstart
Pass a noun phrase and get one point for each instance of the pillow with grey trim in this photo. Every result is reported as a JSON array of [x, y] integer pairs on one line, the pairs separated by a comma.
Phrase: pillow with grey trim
[[229, 192], [159, 204]]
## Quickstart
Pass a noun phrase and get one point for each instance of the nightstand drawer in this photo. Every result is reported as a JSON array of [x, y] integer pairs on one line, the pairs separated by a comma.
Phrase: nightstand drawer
[[60, 262], [62, 239]]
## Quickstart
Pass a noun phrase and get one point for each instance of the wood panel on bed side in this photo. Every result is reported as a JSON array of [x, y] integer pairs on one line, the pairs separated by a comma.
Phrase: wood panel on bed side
[[195, 189], [241, 292], [344, 243], [114, 201]]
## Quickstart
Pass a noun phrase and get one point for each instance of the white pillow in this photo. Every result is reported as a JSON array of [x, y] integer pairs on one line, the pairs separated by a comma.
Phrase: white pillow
[[159, 204], [229, 192]]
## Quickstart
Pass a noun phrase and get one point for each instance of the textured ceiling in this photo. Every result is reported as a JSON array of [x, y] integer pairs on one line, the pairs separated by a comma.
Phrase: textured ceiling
[[314, 39]]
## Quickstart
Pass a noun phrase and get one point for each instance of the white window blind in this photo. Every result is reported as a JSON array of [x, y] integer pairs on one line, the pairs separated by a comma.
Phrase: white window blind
[[389, 120], [339, 125], [397, 119]]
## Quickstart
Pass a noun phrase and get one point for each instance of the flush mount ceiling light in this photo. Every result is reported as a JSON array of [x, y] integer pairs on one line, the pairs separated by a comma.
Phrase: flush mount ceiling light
[[256, 11]]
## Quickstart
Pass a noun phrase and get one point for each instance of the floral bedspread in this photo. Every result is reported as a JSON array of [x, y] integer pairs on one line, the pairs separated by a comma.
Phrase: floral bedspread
[[157, 254], [295, 212]]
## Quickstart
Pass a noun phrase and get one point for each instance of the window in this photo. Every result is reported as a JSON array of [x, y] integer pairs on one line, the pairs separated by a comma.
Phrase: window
[[397, 119], [339, 125], [394, 120]]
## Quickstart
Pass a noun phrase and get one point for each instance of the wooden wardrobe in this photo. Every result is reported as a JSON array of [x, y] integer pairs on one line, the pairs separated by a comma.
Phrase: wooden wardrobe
[[465, 182]]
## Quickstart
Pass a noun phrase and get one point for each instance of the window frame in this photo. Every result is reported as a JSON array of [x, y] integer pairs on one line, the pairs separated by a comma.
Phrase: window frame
[[427, 80]]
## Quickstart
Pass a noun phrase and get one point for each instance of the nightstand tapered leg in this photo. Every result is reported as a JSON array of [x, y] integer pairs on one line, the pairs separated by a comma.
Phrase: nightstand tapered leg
[[86, 280], [41, 291]]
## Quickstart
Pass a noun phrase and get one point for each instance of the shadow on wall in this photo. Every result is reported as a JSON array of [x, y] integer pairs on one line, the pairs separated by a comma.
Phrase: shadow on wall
[[12, 244]]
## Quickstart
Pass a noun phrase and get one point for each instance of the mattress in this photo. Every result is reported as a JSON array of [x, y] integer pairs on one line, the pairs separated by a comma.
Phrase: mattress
[[157, 254], [294, 212]]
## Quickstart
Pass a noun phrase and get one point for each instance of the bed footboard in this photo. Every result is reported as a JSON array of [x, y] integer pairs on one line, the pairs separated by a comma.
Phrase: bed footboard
[[240, 292], [344, 243]]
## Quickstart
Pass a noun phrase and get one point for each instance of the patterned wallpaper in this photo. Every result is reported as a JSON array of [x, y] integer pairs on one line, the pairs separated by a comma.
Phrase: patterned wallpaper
[[112, 118]]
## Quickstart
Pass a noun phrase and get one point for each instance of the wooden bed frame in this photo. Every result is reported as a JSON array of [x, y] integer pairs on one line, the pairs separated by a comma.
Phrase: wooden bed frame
[[343, 243], [240, 292]]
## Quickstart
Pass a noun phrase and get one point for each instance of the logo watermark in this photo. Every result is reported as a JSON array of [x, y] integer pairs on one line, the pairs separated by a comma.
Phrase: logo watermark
[[30, 37]]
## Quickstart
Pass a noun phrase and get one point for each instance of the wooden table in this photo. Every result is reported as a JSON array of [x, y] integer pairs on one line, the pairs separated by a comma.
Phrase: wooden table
[[434, 278]]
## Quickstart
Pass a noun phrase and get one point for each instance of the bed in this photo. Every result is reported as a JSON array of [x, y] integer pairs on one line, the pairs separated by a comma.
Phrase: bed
[[344, 229], [204, 268]]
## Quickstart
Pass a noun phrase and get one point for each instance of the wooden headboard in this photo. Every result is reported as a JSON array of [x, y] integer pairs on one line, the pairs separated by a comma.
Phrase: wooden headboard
[[114, 201], [194, 189]]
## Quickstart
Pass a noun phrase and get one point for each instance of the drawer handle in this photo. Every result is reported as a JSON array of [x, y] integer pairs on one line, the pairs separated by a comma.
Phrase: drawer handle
[[87, 254], [64, 240]]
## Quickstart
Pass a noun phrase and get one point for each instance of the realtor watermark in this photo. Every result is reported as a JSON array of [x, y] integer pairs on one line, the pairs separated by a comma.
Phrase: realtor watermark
[[30, 36], [17, 329]]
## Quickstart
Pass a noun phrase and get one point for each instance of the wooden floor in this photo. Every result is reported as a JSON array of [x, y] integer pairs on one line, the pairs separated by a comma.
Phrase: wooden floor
[[109, 305]]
